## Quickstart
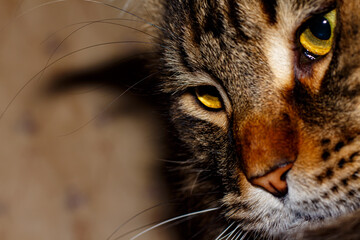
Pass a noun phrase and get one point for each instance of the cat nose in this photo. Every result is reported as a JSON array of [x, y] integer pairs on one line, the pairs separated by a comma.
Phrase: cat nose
[[267, 146], [274, 181]]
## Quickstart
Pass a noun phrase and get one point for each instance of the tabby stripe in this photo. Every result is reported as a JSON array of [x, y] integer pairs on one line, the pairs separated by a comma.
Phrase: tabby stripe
[[269, 8], [184, 57], [214, 20], [351, 92], [233, 9], [195, 25]]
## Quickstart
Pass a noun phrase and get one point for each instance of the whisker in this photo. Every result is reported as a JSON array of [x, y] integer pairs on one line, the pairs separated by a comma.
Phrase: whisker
[[59, 59], [195, 181], [109, 105], [172, 220], [127, 12], [129, 27], [237, 235], [89, 1], [86, 22], [243, 237], [219, 218], [16, 17], [134, 230], [38, 6], [223, 232], [150, 224], [135, 216], [231, 233], [171, 161], [126, 5], [171, 202], [82, 27], [101, 45]]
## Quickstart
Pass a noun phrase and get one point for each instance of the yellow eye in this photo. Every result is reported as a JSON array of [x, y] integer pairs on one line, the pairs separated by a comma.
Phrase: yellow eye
[[209, 97], [318, 37]]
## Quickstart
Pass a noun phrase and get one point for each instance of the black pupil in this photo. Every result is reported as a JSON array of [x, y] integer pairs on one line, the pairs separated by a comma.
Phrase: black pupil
[[320, 27], [207, 90]]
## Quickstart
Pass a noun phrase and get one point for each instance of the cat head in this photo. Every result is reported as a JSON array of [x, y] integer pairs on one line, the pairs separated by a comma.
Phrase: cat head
[[264, 99]]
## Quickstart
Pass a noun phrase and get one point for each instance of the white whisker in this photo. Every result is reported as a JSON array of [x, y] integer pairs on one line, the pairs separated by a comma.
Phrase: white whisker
[[223, 232], [89, 1], [236, 236], [40, 73], [194, 183], [82, 27], [84, 23], [126, 5], [132, 218], [109, 105], [243, 237], [39, 6], [172, 220], [125, 11], [230, 234], [29, 11]]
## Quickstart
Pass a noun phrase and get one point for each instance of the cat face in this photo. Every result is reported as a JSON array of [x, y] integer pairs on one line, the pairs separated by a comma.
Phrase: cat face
[[264, 100]]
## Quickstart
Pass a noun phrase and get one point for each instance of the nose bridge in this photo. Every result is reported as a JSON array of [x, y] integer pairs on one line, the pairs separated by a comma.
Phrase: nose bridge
[[267, 140]]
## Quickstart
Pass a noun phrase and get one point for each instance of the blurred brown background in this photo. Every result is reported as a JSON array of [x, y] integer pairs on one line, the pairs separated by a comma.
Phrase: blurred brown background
[[72, 165]]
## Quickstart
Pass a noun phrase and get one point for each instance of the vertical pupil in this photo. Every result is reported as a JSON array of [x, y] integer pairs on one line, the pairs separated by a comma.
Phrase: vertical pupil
[[320, 28]]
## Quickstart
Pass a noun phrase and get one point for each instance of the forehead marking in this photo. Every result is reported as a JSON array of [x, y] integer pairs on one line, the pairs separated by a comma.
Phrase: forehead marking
[[280, 59], [269, 8]]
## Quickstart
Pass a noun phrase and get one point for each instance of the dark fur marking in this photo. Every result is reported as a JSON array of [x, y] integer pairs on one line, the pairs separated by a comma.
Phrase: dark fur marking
[[341, 163], [236, 21], [329, 173], [325, 141], [244, 206], [325, 195], [320, 178], [338, 146], [351, 159], [315, 201], [355, 176], [351, 93], [341, 202], [335, 189], [350, 139], [195, 25], [351, 193], [345, 181], [269, 8], [325, 155], [214, 22], [185, 58]]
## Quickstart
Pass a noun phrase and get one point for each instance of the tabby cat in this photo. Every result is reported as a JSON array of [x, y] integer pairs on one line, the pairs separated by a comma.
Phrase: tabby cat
[[263, 102]]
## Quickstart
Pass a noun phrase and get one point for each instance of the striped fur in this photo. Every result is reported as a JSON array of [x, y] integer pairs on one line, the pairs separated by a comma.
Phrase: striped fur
[[249, 50]]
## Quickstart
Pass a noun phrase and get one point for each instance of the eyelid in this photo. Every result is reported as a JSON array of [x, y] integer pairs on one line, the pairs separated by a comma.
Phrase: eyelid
[[321, 10]]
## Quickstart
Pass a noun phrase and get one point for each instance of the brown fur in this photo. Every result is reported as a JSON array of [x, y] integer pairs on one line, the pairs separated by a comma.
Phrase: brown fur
[[249, 49]]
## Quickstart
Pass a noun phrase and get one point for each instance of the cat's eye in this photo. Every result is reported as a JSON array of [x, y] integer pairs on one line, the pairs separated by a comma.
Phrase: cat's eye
[[209, 97], [317, 38]]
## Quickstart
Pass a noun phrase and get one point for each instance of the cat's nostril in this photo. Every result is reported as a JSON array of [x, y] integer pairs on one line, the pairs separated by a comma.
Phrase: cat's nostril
[[275, 181]]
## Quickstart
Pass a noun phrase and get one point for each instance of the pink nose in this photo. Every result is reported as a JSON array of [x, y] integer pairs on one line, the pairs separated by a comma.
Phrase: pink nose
[[274, 181]]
